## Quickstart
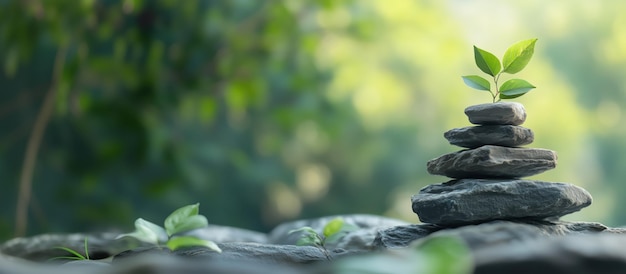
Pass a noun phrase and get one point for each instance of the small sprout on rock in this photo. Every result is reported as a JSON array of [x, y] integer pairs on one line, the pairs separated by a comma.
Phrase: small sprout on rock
[[75, 254], [181, 220], [333, 231], [515, 59]]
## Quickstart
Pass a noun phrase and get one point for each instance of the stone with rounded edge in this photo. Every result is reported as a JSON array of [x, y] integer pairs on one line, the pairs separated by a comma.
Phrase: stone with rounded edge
[[499, 135], [470, 201], [493, 162], [501, 113]]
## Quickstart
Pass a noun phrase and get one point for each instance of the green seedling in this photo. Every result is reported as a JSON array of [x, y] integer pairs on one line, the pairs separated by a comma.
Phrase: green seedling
[[181, 220], [332, 232], [75, 254], [515, 59]]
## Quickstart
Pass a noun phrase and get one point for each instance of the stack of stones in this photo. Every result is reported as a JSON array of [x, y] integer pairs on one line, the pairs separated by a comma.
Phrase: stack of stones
[[487, 176]]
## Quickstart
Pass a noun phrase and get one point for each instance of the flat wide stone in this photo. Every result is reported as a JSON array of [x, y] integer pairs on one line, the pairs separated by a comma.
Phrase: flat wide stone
[[469, 201], [501, 113], [499, 135], [493, 162]]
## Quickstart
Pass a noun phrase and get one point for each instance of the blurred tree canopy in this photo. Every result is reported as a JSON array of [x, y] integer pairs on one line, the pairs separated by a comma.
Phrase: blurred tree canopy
[[265, 111], [164, 103]]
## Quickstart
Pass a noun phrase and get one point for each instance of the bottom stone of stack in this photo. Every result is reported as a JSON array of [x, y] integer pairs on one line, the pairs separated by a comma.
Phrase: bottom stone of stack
[[470, 201]]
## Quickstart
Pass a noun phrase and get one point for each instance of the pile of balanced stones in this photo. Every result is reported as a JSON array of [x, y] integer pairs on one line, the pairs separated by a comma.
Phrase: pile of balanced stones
[[487, 176]]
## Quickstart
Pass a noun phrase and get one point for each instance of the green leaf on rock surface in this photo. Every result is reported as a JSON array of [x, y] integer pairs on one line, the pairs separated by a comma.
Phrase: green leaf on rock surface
[[487, 62], [188, 241], [514, 88], [440, 251], [345, 229], [518, 55], [477, 82], [184, 219], [190, 223], [332, 227], [309, 236], [309, 239], [148, 232]]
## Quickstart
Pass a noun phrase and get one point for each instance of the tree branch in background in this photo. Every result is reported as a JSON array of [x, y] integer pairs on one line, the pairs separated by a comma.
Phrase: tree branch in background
[[32, 147]]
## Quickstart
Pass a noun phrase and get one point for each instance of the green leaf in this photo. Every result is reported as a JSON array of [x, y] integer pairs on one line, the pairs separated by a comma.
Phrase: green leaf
[[518, 55], [190, 223], [309, 239], [309, 236], [477, 82], [86, 250], [332, 227], [335, 237], [514, 88], [487, 62], [77, 256], [184, 219], [147, 232], [440, 251], [187, 241]]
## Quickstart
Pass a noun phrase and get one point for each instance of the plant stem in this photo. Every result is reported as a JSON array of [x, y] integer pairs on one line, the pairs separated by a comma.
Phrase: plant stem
[[495, 81]]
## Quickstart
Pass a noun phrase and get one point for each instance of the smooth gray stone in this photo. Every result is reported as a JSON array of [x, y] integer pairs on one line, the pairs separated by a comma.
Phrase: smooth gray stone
[[498, 135], [572, 254], [357, 240], [469, 201], [493, 162], [485, 234], [501, 113]]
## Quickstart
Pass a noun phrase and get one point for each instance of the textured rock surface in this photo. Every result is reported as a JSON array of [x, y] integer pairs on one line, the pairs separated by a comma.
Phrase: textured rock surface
[[358, 240], [501, 113], [578, 254], [493, 162], [485, 234], [227, 234], [43, 247], [241, 252], [498, 247], [468, 201], [102, 245], [403, 235], [499, 135]]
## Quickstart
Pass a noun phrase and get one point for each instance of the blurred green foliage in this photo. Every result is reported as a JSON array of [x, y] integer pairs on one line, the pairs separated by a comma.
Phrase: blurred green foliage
[[265, 111], [163, 103]]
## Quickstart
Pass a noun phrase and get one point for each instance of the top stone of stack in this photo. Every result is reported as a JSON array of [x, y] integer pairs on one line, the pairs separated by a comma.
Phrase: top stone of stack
[[501, 113]]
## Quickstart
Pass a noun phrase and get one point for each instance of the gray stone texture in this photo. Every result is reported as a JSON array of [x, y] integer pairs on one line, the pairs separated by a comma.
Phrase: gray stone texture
[[468, 201], [484, 235], [227, 234], [572, 254], [357, 240], [498, 135], [501, 113], [493, 162]]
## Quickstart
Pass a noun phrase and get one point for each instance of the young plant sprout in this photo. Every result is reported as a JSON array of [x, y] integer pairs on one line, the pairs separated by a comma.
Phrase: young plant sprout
[[181, 220], [515, 59]]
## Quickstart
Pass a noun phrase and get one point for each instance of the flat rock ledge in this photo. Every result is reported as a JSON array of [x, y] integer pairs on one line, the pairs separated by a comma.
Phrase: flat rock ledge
[[498, 135], [496, 248], [501, 113], [469, 201], [493, 162], [486, 234]]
